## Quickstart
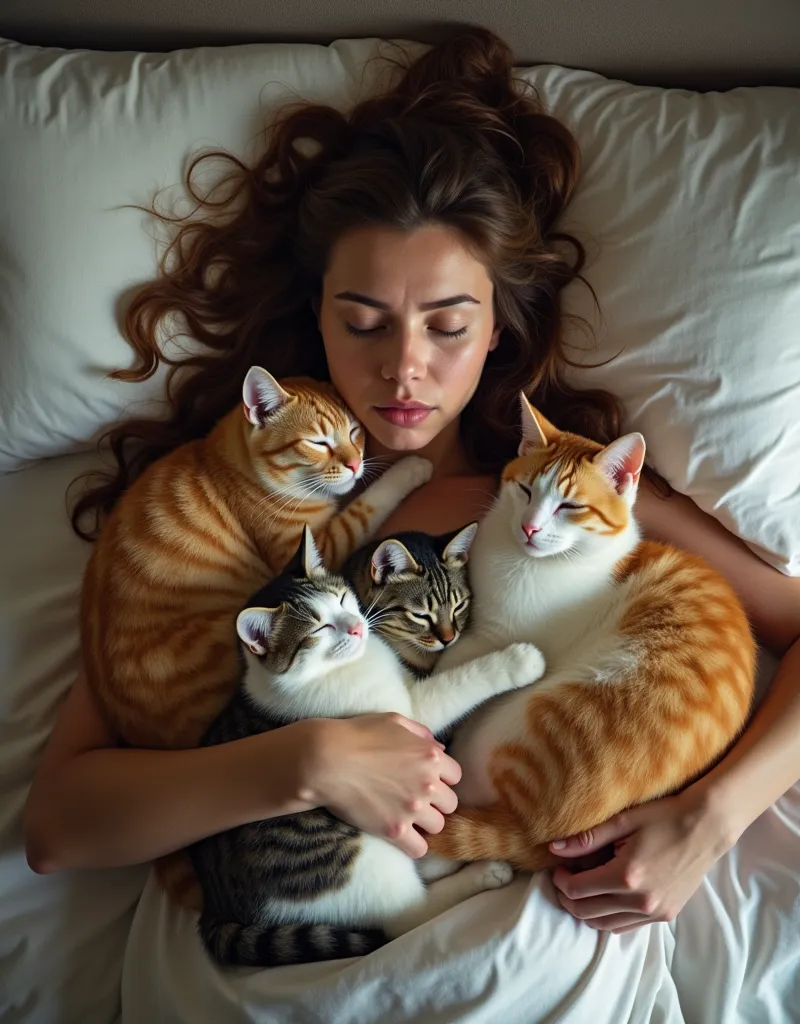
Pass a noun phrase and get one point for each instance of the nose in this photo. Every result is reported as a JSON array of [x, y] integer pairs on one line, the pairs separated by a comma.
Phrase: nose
[[405, 359], [356, 629], [445, 633], [353, 464], [529, 529]]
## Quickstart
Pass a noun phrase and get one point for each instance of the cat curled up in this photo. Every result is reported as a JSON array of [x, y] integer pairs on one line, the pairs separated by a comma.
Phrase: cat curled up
[[195, 535], [650, 657], [199, 531], [308, 886]]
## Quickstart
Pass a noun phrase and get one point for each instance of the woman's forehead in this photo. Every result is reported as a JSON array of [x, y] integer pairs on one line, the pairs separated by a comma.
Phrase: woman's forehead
[[398, 268]]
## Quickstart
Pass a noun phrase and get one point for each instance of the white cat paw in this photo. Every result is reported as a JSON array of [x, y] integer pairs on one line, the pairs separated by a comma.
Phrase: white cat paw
[[494, 874], [525, 664], [413, 471]]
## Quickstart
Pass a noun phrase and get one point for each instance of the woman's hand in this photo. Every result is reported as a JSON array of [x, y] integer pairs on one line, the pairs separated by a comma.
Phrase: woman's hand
[[662, 852], [386, 775]]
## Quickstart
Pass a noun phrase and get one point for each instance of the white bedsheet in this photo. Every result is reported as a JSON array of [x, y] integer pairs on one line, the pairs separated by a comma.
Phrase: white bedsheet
[[514, 956]]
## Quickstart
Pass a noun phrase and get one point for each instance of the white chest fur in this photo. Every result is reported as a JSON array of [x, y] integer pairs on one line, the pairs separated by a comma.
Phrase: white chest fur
[[570, 609]]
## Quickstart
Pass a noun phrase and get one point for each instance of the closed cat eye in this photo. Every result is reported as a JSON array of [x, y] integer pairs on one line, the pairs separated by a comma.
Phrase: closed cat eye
[[527, 491], [320, 444], [568, 506]]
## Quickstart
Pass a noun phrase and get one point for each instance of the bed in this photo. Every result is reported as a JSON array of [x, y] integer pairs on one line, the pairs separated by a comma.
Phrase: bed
[[690, 208]]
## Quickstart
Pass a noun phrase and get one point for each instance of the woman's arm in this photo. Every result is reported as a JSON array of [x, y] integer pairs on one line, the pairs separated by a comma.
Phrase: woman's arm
[[664, 849], [93, 804]]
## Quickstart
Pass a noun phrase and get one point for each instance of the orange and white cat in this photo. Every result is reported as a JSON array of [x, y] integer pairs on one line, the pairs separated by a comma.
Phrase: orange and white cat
[[650, 658], [200, 531]]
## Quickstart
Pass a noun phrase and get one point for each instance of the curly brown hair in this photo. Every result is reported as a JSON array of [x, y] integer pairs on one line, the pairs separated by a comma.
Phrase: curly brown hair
[[455, 141]]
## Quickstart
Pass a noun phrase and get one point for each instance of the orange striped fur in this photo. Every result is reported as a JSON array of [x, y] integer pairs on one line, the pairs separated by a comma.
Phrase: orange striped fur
[[194, 537], [669, 693]]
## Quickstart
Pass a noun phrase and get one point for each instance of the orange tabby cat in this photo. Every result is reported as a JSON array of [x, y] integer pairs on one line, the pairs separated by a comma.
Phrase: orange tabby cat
[[199, 532], [650, 658]]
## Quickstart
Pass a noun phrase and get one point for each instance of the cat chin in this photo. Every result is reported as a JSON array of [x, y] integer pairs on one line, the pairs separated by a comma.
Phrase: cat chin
[[532, 552]]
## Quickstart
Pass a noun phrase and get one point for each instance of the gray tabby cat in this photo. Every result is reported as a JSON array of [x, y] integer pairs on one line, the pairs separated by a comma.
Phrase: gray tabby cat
[[416, 590], [307, 887]]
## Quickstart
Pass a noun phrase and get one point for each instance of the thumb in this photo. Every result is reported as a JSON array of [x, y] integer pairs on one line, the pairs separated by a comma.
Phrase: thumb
[[595, 838]]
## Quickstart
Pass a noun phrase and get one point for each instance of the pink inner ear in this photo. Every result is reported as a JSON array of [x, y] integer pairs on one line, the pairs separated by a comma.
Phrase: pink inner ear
[[622, 461]]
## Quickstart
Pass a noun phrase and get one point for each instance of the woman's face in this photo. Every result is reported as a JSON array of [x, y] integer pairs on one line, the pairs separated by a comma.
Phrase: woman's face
[[407, 320]]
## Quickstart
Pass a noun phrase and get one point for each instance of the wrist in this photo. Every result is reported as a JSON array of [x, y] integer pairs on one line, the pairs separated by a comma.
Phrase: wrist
[[318, 743], [717, 811]]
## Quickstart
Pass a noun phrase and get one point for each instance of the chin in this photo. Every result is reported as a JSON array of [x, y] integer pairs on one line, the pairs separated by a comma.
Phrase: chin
[[540, 552], [353, 652], [344, 486]]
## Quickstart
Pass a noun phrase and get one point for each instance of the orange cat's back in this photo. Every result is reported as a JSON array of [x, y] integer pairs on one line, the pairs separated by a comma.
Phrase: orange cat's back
[[193, 537]]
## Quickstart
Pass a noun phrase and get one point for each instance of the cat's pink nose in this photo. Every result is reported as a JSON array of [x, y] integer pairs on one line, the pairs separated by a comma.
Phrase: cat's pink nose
[[353, 464], [357, 629], [529, 529]]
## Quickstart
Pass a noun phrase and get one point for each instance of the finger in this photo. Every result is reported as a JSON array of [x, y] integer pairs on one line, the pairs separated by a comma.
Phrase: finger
[[596, 882], [430, 820], [595, 907], [416, 727], [410, 841], [619, 923], [449, 770], [595, 838], [444, 799]]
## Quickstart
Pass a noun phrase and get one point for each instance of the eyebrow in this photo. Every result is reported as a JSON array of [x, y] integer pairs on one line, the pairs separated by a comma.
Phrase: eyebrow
[[365, 300]]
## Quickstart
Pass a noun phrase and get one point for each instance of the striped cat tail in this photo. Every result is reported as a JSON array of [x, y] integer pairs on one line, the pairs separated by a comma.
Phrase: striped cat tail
[[236, 945], [489, 833]]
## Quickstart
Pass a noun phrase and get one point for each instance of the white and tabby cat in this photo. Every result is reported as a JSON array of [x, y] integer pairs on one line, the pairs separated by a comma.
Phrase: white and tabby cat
[[307, 887]]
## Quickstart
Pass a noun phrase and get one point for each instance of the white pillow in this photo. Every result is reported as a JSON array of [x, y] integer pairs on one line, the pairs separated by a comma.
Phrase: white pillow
[[691, 205], [83, 134], [691, 208]]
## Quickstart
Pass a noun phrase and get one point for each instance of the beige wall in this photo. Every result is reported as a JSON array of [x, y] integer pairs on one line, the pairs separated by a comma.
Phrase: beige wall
[[703, 43]]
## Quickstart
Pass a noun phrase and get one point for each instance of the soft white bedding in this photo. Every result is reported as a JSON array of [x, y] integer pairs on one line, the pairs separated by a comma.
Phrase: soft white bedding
[[514, 956]]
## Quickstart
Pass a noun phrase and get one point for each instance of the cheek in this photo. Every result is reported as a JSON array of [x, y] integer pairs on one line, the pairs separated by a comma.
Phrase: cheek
[[459, 368], [349, 364]]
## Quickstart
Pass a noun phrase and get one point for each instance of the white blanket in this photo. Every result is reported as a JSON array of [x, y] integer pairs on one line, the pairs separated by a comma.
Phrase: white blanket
[[514, 956]]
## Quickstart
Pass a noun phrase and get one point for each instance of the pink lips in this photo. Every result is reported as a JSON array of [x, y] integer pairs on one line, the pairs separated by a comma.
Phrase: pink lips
[[404, 414]]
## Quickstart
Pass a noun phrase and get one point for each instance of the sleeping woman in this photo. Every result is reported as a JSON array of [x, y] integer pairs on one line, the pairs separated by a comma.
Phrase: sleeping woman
[[413, 260]]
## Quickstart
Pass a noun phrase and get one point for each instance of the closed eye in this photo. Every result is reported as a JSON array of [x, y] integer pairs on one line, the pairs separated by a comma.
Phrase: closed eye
[[526, 490], [320, 444], [569, 506], [325, 625], [362, 332], [421, 619]]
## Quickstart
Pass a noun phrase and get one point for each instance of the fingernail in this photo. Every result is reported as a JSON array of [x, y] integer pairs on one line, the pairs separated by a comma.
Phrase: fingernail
[[559, 844]]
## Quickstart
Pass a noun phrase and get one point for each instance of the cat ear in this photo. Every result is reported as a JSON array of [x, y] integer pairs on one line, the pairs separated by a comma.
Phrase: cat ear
[[262, 396], [537, 431], [254, 626], [390, 559], [306, 560], [457, 548], [312, 559], [622, 463]]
